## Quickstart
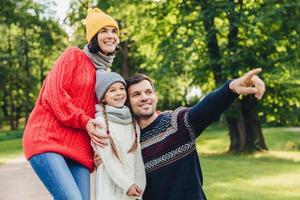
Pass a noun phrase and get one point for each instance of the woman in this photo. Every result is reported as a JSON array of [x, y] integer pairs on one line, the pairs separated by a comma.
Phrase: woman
[[57, 136]]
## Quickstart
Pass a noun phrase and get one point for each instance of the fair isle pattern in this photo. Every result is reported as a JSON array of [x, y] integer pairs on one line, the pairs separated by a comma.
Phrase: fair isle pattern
[[170, 157], [189, 127], [169, 127], [168, 130]]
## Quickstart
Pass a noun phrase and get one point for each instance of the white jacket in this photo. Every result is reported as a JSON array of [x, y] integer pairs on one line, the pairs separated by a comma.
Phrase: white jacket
[[114, 178]]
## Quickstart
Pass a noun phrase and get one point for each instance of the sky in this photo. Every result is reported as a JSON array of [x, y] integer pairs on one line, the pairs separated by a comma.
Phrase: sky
[[62, 8]]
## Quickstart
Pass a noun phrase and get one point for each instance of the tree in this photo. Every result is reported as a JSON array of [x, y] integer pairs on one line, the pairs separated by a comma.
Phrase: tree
[[244, 123], [29, 41], [185, 43]]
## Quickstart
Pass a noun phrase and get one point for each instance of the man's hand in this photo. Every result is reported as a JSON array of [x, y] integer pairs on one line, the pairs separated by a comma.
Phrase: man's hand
[[99, 139], [249, 83], [135, 191]]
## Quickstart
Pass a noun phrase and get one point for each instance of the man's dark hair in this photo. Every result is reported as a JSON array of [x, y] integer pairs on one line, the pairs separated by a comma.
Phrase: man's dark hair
[[137, 78]]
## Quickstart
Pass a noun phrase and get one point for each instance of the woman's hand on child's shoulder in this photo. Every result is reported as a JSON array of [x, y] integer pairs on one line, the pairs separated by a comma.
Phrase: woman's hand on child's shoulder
[[100, 139]]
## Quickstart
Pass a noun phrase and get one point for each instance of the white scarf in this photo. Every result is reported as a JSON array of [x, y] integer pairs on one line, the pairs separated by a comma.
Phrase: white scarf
[[116, 115]]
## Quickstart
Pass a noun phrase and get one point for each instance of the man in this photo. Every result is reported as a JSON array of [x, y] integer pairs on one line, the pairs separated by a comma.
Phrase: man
[[168, 139]]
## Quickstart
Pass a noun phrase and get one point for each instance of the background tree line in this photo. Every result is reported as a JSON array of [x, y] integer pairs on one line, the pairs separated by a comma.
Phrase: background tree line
[[179, 44], [30, 41]]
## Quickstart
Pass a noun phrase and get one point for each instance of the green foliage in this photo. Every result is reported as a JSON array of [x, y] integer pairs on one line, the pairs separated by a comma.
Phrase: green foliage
[[76, 17], [31, 41], [169, 39], [10, 135]]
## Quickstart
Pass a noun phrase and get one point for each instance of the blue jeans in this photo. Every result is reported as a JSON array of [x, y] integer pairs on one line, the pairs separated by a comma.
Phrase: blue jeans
[[64, 178]]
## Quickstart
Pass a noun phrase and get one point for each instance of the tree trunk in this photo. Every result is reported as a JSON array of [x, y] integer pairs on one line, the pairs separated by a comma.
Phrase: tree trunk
[[237, 129], [124, 60], [5, 104], [42, 71], [212, 42], [233, 18], [17, 116], [27, 72], [253, 127], [10, 85], [245, 131]]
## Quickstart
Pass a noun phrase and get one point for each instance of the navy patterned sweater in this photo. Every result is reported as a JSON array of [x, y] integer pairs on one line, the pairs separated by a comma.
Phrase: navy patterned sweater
[[168, 147]]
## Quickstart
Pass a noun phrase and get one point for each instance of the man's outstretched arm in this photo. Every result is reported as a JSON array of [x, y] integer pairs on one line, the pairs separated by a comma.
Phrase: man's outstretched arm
[[214, 104]]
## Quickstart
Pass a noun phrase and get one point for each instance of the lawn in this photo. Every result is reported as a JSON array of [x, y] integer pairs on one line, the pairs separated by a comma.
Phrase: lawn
[[274, 174], [10, 145], [268, 175]]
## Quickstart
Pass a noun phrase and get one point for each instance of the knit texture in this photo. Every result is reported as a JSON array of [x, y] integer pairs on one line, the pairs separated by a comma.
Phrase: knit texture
[[65, 104], [96, 19], [104, 80], [172, 165]]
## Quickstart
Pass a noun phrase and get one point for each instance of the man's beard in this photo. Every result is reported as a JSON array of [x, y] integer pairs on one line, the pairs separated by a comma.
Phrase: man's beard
[[144, 116]]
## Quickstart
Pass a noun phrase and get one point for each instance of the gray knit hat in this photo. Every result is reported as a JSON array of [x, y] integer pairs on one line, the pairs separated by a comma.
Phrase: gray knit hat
[[104, 80]]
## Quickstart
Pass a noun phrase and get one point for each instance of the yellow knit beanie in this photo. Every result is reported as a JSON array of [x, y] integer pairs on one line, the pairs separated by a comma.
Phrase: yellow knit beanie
[[96, 19]]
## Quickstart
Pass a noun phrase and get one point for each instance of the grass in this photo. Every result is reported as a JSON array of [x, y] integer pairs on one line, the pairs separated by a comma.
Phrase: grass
[[10, 145], [247, 178], [274, 174]]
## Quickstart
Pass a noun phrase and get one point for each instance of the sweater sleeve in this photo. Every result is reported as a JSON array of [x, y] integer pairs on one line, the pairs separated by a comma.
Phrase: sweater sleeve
[[113, 166], [56, 97], [210, 108]]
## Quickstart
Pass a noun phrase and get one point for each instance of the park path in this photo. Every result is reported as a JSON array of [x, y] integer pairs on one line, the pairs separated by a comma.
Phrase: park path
[[19, 182]]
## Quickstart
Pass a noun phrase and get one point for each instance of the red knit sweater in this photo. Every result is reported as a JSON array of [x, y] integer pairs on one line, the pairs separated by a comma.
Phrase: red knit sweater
[[65, 104]]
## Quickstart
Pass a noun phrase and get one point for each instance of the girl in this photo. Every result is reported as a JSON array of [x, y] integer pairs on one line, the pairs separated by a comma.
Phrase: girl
[[122, 174], [57, 136]]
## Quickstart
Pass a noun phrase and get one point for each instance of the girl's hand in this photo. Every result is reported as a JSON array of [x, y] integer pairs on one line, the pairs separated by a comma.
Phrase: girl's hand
[[135, 191], [97, 160], [99, 139]]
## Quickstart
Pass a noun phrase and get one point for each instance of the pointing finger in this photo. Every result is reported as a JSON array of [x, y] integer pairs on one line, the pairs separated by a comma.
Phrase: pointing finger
[[251, 73]]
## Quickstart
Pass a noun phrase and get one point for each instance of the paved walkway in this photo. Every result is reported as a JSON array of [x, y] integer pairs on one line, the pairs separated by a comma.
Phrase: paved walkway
[[19, 182]]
